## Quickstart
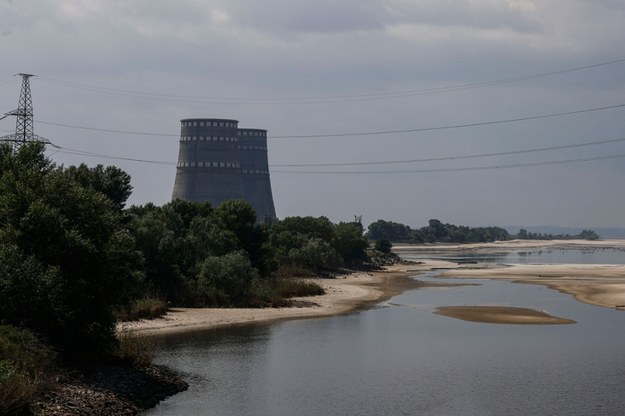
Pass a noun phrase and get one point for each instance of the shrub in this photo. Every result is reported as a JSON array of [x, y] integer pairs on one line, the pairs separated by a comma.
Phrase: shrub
[[24, 364], [287, 271], [225, 280], [289, 288], [146, 308], [383, 246], [134, 348]]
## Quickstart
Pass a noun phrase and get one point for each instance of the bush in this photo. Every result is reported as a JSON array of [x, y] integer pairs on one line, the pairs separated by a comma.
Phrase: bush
[[287, 271], [134, 348], [226, 280], [146, 308], [383, 246], [290, 288], [24, 364]]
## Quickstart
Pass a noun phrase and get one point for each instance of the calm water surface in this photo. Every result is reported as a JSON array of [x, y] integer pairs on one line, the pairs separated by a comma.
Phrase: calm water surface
[[400, 359]]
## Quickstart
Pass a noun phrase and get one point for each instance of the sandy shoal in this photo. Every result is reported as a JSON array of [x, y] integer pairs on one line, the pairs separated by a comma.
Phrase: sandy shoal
[[343, 294], [501, 315], [595, 284]]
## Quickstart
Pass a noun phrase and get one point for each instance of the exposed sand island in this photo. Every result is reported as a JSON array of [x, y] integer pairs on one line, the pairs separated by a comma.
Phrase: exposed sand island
[[595, 284], [501, 315]]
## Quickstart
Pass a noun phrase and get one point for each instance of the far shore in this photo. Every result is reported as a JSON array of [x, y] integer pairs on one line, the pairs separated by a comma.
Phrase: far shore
[[599, 285], [511, 245]]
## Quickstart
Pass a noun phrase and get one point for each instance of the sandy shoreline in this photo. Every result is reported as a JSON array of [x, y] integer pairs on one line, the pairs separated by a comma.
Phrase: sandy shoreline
[[343, 294], [599, 285]]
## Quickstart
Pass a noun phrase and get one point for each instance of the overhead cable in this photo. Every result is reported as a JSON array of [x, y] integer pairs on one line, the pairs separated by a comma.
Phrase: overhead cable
[[434, 159], [321, 99], [440, 170], [363, 133], [460, 157], [448, 127]]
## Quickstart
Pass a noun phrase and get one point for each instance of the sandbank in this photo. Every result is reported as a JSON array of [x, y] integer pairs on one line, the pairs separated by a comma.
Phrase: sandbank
[[595, 284], [501, 315], [343, 294]]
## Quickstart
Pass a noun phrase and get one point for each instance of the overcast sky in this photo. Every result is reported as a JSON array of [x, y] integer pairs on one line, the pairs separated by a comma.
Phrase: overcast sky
[[298, 67]]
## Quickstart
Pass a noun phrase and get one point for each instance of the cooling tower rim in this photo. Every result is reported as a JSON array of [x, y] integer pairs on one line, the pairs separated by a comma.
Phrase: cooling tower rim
[[251, 129], [209, 119]]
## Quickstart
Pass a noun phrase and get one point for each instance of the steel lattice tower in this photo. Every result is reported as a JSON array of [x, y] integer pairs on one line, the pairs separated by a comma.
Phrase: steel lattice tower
[[24, 131]]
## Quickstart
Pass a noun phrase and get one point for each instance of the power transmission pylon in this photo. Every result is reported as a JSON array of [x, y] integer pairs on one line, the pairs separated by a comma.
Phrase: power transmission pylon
[[24, 131]]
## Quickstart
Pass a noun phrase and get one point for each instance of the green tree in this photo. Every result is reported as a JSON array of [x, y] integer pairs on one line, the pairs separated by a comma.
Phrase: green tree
[[66, 240], [350, 242], [111, 181], [225, 280], [315, 254], [383, 246], [389, 230], [238, 217]]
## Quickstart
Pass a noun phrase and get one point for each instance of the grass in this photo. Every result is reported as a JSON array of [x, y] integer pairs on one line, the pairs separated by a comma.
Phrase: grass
[[147, 308], [25, 363], [134, 348], [289, 282], [290, 288]]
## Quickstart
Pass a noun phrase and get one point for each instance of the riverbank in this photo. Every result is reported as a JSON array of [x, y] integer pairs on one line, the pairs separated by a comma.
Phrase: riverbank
[[108, 389], [344, 294], [599, 285]]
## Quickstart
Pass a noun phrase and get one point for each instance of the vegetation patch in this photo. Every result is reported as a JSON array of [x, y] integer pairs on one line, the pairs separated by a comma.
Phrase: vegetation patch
[[134, 349], [24, 366], [146, 308], [291, 288]]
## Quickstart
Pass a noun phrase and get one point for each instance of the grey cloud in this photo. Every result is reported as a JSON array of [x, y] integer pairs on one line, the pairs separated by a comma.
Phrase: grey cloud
[[321, 16], [328, 16], [281, 48]]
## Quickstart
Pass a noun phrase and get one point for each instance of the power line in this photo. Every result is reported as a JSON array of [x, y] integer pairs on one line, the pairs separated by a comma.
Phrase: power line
[[139, 133], [461, 157], [448, 127], [104, 156], [364, 133], [323, 99], [440, 170], [77, 152]]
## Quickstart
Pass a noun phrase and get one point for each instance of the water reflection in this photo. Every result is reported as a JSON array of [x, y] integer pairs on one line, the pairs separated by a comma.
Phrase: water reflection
[[401, 359]]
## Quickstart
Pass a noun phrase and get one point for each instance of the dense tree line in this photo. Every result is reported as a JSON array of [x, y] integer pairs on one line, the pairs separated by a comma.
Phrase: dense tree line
[[437, 232], [434, 232], [583, 235], [71, 254]]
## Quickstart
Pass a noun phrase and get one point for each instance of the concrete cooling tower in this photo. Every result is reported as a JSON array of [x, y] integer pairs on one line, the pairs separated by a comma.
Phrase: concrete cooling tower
[[217, 161]]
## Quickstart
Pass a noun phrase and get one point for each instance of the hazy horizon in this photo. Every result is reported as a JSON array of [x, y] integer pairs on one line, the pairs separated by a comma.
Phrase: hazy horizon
[[479, 83]]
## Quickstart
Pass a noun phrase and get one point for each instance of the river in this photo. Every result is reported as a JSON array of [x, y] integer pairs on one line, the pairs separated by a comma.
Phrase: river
[[398, 358]]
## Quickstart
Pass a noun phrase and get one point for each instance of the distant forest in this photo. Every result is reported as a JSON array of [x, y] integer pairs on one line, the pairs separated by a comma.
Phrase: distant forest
[[438, 232]]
